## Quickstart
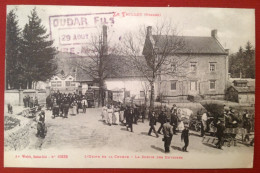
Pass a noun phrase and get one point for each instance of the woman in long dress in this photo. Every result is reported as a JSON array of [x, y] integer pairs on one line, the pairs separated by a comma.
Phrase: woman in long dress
[[74, 108], [110, 115], [121, 113], [116, 114], [104, 114]]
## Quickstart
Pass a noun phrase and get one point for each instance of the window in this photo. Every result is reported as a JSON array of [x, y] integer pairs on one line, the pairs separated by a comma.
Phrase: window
[[53, 84], [70, 78], [142, 94], [173, 67], [212, 84], [58, 83], [193, 66], [193, 85], [173, 84], [56, 78], [72, 84], [212, 66], [67, 83]]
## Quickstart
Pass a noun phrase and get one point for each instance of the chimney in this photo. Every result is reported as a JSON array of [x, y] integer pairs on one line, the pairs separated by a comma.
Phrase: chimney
[[149, 31], [105, 40], [214, 33]]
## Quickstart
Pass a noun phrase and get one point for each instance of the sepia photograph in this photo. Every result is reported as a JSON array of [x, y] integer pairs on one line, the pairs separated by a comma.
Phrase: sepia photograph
[[129, 87]]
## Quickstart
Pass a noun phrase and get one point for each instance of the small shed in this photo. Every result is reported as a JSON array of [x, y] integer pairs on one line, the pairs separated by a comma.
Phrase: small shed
[[241, 94]]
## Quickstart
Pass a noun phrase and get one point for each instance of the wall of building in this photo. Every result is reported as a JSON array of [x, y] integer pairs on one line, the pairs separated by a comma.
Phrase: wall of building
[[134, 85], [61, 84], [246, 98], [201, 76]]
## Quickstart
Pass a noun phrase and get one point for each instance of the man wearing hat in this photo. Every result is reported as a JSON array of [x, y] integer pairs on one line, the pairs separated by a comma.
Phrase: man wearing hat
[[231, 119], [204, 119], [220, 134], [162, 119], [152, 123], [246, 125], [130, 118], [84, 104], [167, 132], [185, 137], [174, 119], [174, 107], [66, 107]]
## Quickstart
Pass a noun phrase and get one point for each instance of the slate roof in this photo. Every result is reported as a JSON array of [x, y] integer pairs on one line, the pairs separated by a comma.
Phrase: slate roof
[[66, 63], [240, 81], [126, 69], [192, 44], [82, 76]]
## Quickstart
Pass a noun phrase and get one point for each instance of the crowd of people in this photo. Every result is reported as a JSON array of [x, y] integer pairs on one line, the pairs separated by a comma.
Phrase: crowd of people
[[117, 113], [170, 122], [30, 102], [61, 103], [114, 114], [128, 115]]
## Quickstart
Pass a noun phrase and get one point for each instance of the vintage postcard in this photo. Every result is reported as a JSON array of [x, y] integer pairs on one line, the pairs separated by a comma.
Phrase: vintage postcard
[[129, 87]]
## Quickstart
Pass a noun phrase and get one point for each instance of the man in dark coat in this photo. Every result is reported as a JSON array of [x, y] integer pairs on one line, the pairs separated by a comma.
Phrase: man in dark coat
[[66, 107], [152, 124], [129, 119], [25, 102], [246, 125], [174, 120], [48, 100], [167, 132], [28, 101], [55, 109], [162, 119], [136, 114], [31, 102], [220, 134], [185, 137], [143, 111]]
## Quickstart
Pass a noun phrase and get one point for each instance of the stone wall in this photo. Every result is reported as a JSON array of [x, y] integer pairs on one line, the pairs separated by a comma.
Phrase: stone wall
[[13, 96], [18, 137]]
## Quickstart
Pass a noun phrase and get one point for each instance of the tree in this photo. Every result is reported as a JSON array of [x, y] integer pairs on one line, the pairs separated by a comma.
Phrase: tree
[[62, 73], [101, 61], [146, 88], [37, 52], [236, 63], [13, 40], [242, 63], [160, 52], [249, 61]]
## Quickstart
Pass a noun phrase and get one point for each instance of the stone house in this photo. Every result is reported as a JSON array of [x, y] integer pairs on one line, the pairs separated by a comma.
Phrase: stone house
[[199, 70]]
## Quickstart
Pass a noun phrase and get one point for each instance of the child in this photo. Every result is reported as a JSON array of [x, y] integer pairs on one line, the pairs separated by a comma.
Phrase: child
[[185, 137]]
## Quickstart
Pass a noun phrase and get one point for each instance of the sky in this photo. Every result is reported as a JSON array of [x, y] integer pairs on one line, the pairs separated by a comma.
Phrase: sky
[[235, 26]]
